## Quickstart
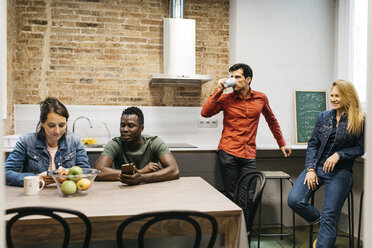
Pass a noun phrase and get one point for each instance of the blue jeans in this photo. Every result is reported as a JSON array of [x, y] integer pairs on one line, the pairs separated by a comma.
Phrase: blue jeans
[[337, 185]]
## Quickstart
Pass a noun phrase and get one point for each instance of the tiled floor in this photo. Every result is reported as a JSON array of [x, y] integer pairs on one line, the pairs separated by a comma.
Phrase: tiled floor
[[302, 240]]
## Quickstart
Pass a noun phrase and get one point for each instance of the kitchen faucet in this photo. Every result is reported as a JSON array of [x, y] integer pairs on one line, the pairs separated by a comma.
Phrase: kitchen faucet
[[108, 131], [81, 117]]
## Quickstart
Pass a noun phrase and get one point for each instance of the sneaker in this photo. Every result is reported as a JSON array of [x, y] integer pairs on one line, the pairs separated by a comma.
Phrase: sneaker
[[314, 244]]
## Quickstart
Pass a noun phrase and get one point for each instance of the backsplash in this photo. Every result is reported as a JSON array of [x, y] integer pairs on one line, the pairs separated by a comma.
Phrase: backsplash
[[172, 124]]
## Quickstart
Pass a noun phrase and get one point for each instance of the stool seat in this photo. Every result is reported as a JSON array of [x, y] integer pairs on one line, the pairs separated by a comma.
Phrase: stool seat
[[276, 175]]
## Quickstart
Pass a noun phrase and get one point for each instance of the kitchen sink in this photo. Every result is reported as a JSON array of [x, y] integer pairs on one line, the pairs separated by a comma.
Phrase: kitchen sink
[[180, 145], [94, 145]]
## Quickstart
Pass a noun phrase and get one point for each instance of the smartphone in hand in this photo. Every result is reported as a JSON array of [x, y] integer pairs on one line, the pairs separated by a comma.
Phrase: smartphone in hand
[[127, 169]]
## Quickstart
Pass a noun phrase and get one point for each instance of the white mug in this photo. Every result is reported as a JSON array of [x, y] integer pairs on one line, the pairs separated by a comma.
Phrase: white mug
[[230, 82], [31, 185]]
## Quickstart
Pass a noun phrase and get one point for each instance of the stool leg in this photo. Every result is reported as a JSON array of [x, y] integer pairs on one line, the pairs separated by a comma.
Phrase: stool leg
[[350, 211], [294, 222], [294, 229], [281, 209], [348, 216], [259, 223], [352, 218], [360, 218], [311, 228]]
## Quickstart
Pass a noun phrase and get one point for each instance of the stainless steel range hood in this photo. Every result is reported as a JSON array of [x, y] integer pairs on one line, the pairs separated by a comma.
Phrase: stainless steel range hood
[[179, 50]]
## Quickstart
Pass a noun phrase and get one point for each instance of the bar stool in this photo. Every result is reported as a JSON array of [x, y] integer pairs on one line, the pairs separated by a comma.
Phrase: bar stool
[[278, 175], [350, 212]]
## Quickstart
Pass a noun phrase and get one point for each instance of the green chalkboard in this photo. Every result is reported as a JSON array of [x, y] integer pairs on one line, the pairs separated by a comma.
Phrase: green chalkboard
[[308, 105]]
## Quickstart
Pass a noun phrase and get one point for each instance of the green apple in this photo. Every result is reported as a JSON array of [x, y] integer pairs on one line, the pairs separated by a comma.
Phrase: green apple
[[68, 187], [74, 173]]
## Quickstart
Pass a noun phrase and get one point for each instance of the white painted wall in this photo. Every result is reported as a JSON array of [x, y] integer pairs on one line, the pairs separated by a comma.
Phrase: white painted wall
[[290, 45], [367, 224], [344, 56]]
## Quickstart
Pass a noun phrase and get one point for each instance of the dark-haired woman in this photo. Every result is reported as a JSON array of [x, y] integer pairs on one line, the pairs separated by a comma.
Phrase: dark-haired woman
[[49, 148]]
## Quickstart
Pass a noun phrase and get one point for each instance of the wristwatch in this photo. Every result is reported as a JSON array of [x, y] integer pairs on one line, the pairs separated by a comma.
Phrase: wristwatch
[[310, 169]]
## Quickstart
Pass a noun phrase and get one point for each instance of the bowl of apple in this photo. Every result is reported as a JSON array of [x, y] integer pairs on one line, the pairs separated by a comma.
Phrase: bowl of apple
[[74, 181]]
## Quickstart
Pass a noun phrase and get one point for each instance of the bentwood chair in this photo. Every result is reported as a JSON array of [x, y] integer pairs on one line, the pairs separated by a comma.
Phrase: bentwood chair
[[53, 213], [146, 220], [256, 181]]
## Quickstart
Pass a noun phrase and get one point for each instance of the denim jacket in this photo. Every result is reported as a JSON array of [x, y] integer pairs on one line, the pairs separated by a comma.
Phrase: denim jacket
[[31, 157], [347, 146]]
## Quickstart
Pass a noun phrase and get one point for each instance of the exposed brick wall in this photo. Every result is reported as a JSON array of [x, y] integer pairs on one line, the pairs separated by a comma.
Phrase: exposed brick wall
[[9, 124], [103, 52]]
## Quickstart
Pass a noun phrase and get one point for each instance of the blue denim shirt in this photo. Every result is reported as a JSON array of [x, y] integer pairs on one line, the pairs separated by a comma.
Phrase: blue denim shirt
[[347, 146], [31, 157]]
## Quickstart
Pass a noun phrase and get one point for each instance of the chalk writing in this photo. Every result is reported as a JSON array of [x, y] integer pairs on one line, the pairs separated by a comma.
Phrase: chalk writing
[[308, 105]]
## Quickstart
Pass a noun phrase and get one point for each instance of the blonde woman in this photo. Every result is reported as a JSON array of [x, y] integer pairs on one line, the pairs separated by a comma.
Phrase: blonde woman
[[337, 139]]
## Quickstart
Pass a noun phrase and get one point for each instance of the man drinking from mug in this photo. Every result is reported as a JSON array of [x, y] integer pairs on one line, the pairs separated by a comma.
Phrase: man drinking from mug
[[241, 113]]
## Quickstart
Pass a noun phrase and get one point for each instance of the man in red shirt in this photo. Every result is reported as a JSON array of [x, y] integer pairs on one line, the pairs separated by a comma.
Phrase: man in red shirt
[[241, 110]]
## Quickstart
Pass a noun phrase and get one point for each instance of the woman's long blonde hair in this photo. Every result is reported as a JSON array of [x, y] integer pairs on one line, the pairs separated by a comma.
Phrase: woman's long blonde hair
[[350, 99]]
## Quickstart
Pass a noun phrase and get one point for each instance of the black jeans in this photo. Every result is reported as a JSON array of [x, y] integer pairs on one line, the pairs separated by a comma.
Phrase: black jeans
[[232, 168]]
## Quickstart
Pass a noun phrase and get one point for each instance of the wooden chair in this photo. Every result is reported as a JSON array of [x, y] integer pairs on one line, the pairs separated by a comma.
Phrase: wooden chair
[[152, 218], [256, 179], [53, 213]]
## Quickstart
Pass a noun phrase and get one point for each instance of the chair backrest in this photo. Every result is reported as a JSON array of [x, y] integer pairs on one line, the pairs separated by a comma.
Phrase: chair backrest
[[155, 217], [53, 213], [255, 180]]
